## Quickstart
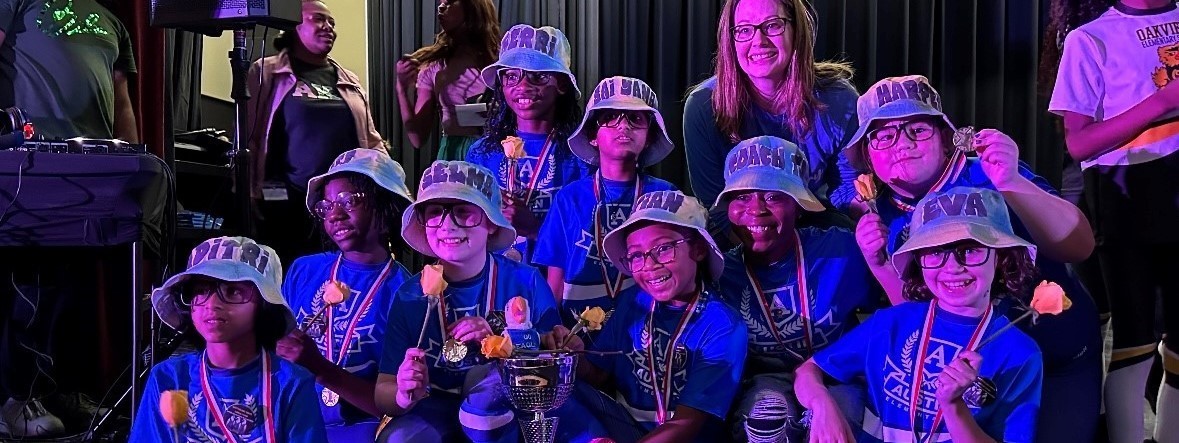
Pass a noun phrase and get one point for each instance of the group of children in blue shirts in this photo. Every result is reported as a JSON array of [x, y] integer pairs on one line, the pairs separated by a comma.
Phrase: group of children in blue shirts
[[763, 336]]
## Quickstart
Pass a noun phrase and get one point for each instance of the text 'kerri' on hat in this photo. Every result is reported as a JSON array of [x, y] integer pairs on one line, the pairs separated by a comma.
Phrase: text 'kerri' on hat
[[373, 163], [892, 98], [231, 259], [960, 214], [458, 180], [668, 207], [768, 163], [626, 94], [532, 49]]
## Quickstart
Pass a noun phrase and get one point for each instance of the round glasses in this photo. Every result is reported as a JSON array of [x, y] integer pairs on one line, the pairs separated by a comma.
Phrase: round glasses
[[662, 254], [613, 119], [968, 255], [464, 215], [885, 137], [345, 200], [199, 293], [511, 77], [769, 28]]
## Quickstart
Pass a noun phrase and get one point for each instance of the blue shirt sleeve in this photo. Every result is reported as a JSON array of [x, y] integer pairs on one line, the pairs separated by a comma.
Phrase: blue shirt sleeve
[[704, 146], [1020, 403], [149, 426], [713, 381], [544, 305], [841, 179], [397, 332], [303, 422], [846, 359], [552, 248]]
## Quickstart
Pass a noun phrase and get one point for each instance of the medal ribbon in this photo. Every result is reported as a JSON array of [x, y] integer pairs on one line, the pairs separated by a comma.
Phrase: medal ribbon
[[919, 373], [267, 400], [492, 272], [803, 299], [366, 300], [544, 154], [953, 169], [600, 226], [663, 390]]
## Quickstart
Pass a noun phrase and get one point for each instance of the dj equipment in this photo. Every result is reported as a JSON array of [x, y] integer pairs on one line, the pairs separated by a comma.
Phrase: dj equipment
[[208, 15], [81, 146]]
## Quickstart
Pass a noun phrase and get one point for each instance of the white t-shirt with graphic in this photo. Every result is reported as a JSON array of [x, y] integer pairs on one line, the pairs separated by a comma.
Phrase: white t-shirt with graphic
[[1113, 63]]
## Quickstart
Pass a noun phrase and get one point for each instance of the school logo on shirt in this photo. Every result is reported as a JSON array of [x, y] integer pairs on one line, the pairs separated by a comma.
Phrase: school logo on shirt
[[242, 417], [898, 378], [312, 91], [342, 315], [526, 170], [615, 216], [786, 320], [434, 345], [639, 359], [60, 18]]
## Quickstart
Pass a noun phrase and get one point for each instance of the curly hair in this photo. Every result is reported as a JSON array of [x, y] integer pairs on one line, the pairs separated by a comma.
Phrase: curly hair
[[1063, 17], [733, 97], [1015, 276], [501, 120], [386, 205], [479, 32]]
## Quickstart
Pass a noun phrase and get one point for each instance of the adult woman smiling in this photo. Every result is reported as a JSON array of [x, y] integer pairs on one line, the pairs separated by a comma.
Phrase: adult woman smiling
[[768, 83]]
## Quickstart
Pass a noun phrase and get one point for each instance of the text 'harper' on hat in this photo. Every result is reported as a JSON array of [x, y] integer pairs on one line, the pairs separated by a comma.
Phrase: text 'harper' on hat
[[913, 87], [440, 172]]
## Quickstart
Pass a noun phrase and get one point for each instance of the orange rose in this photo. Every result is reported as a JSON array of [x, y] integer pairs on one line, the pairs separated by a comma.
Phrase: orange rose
[[497, 346], [432, 281], [1049, 298], [174, 407], [593, 318], [517, 311], [336, 292], [866, 187], [513, 147]]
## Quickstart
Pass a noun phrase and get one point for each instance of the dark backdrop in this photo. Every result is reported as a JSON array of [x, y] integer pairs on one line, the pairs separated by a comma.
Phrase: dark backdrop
[[980, 54]]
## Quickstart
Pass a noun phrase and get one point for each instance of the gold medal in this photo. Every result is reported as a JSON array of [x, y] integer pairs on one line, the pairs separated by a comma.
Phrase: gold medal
[[454, 351], [964, 139], [329, 397]]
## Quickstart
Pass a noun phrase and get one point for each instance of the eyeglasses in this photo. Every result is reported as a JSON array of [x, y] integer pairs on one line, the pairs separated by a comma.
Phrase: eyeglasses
[[464, 215], [967, 255], [345, 200], [200, 292], [662, 254], [769, 28], [917, 130], [613, 119], [511, 77]]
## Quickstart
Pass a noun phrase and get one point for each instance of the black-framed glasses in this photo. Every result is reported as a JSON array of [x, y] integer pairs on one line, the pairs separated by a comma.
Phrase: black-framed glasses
[[345, 200], [967, 255], [917, 130], [661, 253], [511, 77], [769, 28], [198, 293], [463, 215], [614, 118]]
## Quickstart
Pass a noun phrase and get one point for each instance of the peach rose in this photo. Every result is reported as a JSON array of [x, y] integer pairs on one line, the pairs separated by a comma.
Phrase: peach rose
[[497, 346], [174, 407], [513, 147], [1049, 298], [866, 187], [593, 318], [432, 281], [517, 311], [336, 292]]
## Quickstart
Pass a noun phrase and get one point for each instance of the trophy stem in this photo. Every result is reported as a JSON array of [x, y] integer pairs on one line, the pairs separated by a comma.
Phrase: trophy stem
[[539, 430]]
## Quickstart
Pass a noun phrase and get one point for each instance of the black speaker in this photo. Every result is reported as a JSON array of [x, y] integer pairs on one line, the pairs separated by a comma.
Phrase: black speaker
[[209, 16]]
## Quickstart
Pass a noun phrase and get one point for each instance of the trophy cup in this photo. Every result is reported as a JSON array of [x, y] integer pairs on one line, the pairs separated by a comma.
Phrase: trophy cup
[[538, 384]]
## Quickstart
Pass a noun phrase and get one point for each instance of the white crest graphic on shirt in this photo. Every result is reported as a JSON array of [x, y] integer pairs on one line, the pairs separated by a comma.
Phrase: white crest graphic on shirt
[[790, 324], [542, 195], [203, 428], [342, 315], [616, 214], [898, 378], [638, 357], [314, 92], [434, 345]]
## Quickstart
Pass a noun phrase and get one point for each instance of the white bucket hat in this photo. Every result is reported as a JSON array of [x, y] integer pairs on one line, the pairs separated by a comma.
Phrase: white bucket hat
[[628, 94], [463, 181], [373, 163], [670, 207], [768, 164]]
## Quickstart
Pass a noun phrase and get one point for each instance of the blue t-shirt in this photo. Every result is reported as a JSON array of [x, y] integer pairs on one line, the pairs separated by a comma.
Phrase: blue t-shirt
[[558, 169], [707, 364], [462, 299], [883, 351], [837, 283], [303, 289], [569, 242], [1069, 340], [831, 176], [239, 394]]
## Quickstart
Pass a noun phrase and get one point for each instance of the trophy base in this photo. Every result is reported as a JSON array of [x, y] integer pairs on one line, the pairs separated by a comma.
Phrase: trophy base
[[540, 430]]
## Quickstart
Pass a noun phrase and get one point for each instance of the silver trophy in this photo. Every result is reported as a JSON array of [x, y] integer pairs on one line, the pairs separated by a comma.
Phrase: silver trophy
[[539, 384]]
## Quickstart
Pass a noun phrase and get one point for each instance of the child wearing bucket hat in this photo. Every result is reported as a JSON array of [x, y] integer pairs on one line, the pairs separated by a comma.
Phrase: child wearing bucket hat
[[430, 349], [678, 350], [533, 112], [621, 133], [920, 358], [236, 389], [1115, 91], [358, 203], [796, 288], [906, 142]]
